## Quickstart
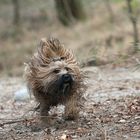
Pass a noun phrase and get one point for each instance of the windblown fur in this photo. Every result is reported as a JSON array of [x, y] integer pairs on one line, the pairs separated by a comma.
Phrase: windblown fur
[[54, 77]]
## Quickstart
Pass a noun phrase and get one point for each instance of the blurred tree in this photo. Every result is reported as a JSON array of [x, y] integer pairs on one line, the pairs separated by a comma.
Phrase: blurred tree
[[110, 10], [69, 10], [16, 18], [77, 9], [133, 20]]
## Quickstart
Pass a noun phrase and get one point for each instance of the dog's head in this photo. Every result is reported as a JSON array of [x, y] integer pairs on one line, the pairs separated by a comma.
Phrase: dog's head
[[53, 68], [60, 77]]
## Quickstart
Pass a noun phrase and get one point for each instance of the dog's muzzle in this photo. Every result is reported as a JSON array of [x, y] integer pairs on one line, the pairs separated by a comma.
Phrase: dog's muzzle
[[65, 83]]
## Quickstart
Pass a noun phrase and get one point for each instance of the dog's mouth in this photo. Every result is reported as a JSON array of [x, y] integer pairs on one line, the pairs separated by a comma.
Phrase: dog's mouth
[[66, 88]]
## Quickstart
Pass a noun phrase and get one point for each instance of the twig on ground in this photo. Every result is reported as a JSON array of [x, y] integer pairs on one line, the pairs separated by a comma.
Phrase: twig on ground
[[15, 121]]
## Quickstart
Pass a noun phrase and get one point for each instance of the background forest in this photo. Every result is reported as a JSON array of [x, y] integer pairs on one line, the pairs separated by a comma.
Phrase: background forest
[[99, 31]]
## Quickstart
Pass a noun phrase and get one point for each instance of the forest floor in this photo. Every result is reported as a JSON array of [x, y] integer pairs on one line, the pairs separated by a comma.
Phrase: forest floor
[[111, 110]]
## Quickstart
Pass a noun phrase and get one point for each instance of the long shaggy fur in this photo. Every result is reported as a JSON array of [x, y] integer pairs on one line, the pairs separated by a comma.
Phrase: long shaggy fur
[[43, 74]]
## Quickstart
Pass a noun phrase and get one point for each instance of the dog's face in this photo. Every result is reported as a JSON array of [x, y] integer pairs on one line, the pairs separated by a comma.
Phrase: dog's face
[[59, 77]]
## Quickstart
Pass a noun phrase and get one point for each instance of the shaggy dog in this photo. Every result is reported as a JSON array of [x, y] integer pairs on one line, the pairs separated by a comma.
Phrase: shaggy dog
[[54, 77]]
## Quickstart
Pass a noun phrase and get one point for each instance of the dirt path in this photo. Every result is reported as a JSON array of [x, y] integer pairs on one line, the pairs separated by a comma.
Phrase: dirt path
[[111, 110]]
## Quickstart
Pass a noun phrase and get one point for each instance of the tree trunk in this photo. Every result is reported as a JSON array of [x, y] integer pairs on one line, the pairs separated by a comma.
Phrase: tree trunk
[[110, 10], [133, 20], [69, 10], [77, 9], [16, 18]]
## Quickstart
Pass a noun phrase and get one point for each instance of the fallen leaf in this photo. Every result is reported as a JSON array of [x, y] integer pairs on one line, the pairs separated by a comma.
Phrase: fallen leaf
[[122, 121]]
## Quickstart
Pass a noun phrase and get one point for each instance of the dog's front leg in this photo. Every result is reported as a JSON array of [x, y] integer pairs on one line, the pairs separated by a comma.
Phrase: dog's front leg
[[71, 109]]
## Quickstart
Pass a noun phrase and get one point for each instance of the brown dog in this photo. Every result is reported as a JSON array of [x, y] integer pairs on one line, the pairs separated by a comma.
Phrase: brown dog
[[54, 78]]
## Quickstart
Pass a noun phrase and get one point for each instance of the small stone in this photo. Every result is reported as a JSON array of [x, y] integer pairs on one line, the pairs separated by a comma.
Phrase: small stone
[[65, 137], [21, 95]]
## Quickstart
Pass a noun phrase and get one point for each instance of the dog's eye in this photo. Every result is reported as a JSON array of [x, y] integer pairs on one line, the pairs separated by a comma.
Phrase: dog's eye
[[56, 71], [67, 69], [62, 58]]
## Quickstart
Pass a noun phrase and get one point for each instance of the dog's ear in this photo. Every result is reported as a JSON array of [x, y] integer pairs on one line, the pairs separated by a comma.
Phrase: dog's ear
[[52, 48], [58, 48], [45, 53], [43, 42]]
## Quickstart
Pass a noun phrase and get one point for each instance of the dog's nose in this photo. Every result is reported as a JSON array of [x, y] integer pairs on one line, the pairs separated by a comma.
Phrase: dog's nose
[[66, 77]]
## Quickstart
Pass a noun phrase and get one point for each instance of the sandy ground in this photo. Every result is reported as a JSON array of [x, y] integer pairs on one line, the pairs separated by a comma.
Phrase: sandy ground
[[111, 110]]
